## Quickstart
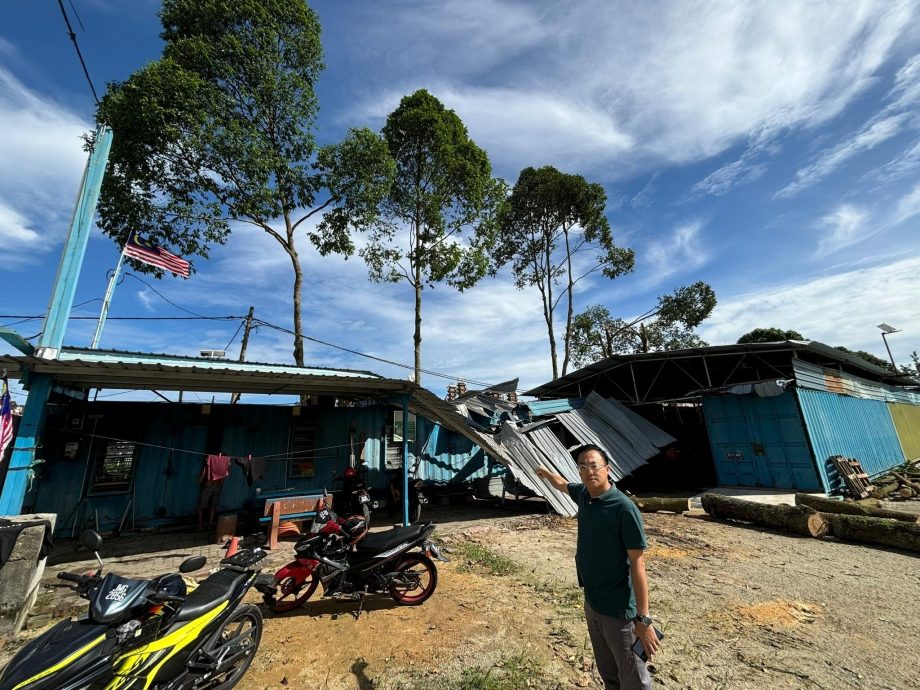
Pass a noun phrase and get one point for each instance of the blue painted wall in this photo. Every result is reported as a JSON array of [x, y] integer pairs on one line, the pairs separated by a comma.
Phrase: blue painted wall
[[852, 427], [174, 438], [760, 442]]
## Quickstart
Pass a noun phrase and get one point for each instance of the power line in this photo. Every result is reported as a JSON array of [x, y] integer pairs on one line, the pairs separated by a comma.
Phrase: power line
[[239, 328], [164, 297], [73, 37]]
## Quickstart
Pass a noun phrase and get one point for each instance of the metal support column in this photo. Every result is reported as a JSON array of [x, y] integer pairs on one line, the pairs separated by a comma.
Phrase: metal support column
[[405, 456], [62, 295]]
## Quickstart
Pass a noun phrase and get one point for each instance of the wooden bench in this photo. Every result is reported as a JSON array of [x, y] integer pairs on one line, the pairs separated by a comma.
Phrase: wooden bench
[[289, 508]]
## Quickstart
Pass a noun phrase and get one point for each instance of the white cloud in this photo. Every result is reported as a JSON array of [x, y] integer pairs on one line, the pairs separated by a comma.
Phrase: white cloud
[[908, 206], [730, 175], [676, 82], [840, 309], [843, 227], [41, 162], [679, 252], [868, 138]]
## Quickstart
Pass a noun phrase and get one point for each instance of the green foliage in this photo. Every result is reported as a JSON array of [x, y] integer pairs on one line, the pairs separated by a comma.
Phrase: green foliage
[[221, 128], [597, 335], [517, 672], [443, 188], [477, 556], [769, 335], [549, 220], [914, 368], [868, 356]]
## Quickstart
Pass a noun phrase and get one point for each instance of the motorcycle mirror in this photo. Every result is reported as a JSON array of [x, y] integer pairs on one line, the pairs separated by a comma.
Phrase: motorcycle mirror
[[190, 565], [90, 539]]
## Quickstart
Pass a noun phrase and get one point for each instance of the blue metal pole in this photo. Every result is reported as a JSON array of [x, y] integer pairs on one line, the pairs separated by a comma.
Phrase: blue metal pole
[[65, 287], [405, 455]]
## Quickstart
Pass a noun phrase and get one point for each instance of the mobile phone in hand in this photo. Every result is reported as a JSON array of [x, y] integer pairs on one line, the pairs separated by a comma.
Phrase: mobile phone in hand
[[640, 650]]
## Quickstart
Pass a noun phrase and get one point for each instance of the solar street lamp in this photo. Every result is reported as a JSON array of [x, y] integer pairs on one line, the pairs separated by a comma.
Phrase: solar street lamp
[[888, 330]]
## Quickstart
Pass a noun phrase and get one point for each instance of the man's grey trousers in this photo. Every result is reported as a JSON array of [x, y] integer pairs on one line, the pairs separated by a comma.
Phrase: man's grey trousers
[[612, 639]]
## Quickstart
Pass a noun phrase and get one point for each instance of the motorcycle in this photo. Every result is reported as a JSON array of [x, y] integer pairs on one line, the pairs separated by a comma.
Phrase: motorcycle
[[417, 497], [350, 562], [165, 633], [355, 495]]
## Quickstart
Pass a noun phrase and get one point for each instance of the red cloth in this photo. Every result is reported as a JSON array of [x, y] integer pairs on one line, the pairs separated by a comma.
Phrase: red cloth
[[218, 467]]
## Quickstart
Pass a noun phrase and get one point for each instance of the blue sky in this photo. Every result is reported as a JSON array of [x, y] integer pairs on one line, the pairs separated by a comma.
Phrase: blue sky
[[770, 149]]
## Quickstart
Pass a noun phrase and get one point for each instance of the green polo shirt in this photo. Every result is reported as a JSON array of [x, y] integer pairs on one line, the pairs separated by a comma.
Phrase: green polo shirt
[[607, 526]]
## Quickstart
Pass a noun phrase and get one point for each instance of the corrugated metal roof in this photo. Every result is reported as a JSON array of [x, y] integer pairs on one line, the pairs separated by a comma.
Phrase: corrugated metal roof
[[606, 424], [811, 376], [527, 458], [539, 408]]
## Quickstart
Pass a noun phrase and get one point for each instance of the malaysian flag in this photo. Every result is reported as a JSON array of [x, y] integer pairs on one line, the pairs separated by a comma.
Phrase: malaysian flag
[[144, 250], [6, 418]]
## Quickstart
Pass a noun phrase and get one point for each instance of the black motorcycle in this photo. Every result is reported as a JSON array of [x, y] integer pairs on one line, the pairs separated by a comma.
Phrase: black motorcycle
[[349, 561], [417, 497], [356, 499], [163, 633]]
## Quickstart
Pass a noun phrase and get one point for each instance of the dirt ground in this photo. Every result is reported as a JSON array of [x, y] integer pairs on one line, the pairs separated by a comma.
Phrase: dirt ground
[[741, 607]]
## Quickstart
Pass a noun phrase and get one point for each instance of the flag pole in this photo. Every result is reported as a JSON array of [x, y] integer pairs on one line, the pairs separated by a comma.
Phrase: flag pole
[[108, 298]]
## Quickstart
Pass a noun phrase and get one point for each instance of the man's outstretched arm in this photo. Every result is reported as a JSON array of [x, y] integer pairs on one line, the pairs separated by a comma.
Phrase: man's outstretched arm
[[557, 480]]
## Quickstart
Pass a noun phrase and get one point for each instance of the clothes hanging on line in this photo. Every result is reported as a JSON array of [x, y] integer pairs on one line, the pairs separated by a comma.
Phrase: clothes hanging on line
[[253, 468], [218, 467]]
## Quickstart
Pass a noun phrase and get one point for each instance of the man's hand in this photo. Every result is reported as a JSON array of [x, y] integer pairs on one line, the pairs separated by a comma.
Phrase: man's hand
[[559, 482], [650, 641]]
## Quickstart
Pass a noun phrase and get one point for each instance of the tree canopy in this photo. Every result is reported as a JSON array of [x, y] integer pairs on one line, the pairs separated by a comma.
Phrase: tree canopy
[[221, 128], [554, 233], [437, 221], [769, 335], [670, 325]]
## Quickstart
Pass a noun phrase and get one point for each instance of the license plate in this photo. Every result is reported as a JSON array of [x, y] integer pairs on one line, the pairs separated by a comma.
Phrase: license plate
[[364, 499]]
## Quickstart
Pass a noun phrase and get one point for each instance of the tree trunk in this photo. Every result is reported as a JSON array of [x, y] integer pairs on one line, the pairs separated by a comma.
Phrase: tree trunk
[[882, 489], [570, 310], [418, 325], [828, 505], [907, 482], [872, 530], [668, 505], [298, 326], [798, 519], [548, 312]]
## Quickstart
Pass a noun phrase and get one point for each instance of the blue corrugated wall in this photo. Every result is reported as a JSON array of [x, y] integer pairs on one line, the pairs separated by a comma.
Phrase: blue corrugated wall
[[165, 483], [852, 427], [759, 442]]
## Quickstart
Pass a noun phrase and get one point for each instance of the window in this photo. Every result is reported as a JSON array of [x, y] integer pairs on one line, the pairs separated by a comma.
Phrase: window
[[114, 468], [398, 426], [303, 453]]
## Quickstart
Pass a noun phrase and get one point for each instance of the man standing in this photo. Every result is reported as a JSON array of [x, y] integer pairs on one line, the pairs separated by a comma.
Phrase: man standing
[[611, 568]]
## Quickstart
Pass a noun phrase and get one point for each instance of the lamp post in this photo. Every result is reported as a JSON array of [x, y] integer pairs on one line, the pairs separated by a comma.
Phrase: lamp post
[[888, 330]]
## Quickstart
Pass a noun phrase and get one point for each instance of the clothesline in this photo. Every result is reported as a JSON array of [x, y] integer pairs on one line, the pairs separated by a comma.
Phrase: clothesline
[[272, 457]]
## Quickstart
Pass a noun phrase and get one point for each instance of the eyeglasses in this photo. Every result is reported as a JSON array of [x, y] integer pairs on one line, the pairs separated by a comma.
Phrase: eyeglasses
[[590, 468]]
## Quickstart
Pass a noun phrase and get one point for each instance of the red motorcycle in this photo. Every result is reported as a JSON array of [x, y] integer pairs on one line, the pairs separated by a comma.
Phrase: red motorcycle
[[350, 562]]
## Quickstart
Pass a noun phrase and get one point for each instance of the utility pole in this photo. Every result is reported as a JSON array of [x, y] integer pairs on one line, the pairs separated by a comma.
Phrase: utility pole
[[236, 396]]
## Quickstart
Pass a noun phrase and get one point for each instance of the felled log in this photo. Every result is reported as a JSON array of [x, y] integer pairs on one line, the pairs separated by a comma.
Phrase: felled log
[[799, 519], [827, 505], [668, 505], [873, 530], [883, 487], [907, 483]]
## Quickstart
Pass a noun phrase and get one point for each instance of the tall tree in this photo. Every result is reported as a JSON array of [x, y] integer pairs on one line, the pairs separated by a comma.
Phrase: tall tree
[[548, 225], [769, 335], [221, 129], [668, 326], [868, 356], [437, 221]]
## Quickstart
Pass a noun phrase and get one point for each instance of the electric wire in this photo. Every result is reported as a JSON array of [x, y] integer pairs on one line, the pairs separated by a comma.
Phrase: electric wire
[[238, 329], [73, 37]]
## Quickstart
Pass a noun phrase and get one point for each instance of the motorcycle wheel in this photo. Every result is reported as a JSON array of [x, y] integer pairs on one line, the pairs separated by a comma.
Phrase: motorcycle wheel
[[291, 594], [242, 631], [420, 583]]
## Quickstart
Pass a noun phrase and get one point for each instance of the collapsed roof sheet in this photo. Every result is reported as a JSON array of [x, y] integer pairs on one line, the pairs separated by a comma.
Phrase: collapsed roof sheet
[[526, 457]]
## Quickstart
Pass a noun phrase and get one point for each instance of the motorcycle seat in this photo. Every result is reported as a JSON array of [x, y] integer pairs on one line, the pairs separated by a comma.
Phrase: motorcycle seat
[[377, 542], [210, 594]]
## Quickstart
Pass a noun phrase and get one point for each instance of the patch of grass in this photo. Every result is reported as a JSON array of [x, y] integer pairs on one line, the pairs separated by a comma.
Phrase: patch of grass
[[518, 672], [476, 556]]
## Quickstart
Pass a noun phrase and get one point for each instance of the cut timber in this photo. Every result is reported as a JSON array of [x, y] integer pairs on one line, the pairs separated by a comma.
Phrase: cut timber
[[914, 486], [871, 530], [654, 505], [883, 487], [798, 519], [828, 505]]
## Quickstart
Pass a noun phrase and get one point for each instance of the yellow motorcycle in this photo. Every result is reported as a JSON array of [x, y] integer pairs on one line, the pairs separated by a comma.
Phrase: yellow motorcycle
[[164, 633]]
